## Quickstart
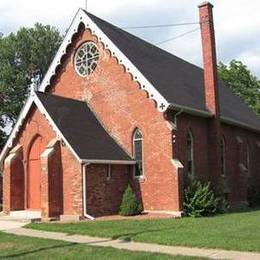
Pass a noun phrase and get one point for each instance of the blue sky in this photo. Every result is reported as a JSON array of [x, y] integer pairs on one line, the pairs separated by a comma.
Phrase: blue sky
[[237, 23]]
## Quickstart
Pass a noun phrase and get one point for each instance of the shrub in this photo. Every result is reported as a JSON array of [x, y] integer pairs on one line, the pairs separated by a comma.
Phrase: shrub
[[201, 200], [129, 205]]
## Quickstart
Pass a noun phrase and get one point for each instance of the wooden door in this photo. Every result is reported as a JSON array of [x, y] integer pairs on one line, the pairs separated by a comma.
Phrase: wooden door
[[34, 175]]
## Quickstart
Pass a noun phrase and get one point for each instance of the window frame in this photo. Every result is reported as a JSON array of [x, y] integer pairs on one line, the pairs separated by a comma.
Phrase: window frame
[[223, 154], [248, 157], [135, 139], [95, 59], [191, 136]]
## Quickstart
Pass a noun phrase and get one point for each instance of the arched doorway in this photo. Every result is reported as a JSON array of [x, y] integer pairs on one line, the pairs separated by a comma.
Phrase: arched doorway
[[34, 175]]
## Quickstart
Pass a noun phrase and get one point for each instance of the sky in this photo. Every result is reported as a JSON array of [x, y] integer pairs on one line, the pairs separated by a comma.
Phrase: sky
[[237, 23]]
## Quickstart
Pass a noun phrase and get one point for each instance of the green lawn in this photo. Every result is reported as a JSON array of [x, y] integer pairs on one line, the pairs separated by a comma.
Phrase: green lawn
[[18, 247], [233, 231]]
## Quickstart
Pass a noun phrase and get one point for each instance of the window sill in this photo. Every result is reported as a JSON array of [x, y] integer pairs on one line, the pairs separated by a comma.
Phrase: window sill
[[139, 178]]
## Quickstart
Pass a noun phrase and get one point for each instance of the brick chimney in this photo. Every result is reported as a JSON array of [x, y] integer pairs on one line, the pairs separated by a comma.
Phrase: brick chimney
[[211, 89], [209, 57]]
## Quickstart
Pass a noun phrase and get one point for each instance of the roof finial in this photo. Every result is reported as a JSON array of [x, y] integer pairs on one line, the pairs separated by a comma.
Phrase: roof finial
[[33, 86], [35, 81]]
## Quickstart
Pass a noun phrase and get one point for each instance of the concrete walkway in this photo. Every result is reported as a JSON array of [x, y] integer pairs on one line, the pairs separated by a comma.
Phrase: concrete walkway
[[132, 246], [9, 223]]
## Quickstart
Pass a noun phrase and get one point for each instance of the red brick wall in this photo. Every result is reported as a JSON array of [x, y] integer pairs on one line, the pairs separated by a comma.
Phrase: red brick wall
[[35, 124], [236, 154], [1, 190], [13, 183], [72, 183], [69, 185], [51, 182], [235, 183], [104, 196], [198, 127], [15, 175], [121, 106], [55, 182]]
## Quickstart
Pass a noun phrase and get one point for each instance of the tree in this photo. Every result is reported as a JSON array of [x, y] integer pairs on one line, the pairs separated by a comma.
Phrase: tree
[[23, 55], [2, 139], [237, 76]]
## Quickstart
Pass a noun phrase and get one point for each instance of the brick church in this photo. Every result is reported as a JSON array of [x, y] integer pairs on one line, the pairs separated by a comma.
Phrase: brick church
[[114, 110]]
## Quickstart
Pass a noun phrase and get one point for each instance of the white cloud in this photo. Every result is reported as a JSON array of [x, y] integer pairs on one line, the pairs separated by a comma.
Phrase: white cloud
[[237, 22]]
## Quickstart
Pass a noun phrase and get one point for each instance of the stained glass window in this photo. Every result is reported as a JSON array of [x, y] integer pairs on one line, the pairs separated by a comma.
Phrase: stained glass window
[[86, 59], [138, 152], [190, 153]]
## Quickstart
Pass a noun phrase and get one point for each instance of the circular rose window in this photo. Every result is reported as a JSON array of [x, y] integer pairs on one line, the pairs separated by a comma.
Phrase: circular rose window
[[86, 59]]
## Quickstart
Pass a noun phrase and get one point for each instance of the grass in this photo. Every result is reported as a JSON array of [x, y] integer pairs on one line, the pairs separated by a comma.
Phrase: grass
[[19, 247], [233, 231]]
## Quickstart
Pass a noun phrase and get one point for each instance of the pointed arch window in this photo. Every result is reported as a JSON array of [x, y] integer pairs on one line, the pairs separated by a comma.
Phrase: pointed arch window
[[190, 153], [138, 153], [248, 157], [223, 156]]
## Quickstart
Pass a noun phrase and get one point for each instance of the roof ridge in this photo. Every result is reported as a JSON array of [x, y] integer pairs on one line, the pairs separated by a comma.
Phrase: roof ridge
[[143, 40]]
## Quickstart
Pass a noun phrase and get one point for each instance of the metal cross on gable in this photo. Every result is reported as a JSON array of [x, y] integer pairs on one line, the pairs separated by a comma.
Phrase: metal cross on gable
[[162, 106]]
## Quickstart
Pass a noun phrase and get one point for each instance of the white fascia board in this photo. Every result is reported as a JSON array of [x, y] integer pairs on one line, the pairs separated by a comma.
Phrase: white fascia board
[[54, 126], [81, 17], [108, 162], [15, 131]]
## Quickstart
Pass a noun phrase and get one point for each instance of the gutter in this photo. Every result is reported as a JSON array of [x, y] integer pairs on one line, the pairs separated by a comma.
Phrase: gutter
[[206, 114], [85, 161], [191, 111], [84, 166], [230, 121]]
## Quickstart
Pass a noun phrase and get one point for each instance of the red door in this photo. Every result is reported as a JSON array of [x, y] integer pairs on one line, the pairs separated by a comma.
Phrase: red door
[[34, 176]]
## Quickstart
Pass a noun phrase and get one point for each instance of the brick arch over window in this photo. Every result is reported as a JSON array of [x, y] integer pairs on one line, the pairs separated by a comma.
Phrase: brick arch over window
[[190, 153]]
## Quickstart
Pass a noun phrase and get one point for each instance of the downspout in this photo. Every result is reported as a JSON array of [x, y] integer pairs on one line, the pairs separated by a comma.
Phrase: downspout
[[175, 129], [84, 193], [175, 117]]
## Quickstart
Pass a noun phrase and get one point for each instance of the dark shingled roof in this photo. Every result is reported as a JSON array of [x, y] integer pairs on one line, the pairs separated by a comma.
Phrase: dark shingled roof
[[178, 81], [81, 129]]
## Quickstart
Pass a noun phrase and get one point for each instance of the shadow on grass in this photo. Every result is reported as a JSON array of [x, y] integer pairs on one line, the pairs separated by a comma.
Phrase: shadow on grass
[[21, 254], [131, 235]]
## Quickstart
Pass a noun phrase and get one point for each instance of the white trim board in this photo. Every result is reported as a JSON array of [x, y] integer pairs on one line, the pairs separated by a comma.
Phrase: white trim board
[[82, 17]]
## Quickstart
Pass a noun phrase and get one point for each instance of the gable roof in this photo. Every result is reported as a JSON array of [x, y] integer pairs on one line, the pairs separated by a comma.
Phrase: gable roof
[[82, 18], [179, 81], [168, 80], [77, 126], [81, 129]]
